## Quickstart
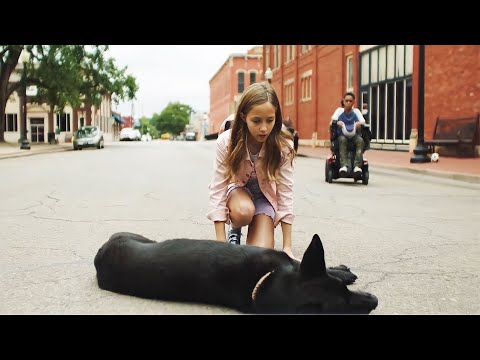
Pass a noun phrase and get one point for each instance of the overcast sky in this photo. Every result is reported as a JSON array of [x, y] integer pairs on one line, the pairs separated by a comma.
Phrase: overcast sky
[[170, 73]]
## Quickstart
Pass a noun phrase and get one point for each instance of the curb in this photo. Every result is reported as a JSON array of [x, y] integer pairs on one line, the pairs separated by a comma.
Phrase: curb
[[31, 153], [473, 179]]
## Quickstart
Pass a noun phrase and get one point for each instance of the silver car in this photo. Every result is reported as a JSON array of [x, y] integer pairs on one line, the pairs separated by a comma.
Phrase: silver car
[[88, 136]]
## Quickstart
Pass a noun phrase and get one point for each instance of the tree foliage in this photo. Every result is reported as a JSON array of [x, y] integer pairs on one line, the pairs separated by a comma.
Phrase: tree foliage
[[173, 118], [65, 74], [147, 126]]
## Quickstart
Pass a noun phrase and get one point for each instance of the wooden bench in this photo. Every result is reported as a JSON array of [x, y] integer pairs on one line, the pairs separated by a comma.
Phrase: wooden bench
[[455, 132]]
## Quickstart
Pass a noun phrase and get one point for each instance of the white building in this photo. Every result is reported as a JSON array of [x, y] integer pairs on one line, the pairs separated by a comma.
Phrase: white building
[[200, 122]]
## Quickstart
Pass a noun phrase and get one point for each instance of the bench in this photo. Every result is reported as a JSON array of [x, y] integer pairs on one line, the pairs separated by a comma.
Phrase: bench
[[455, 132]]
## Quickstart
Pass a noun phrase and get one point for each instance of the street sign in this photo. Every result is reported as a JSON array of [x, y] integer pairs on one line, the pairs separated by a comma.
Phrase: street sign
[[32, 90]]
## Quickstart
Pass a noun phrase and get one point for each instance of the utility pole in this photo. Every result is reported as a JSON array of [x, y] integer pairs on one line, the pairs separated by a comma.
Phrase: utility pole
[[421, 150]]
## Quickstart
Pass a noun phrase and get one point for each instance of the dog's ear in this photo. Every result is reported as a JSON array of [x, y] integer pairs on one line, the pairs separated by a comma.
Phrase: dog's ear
[[313, 261]]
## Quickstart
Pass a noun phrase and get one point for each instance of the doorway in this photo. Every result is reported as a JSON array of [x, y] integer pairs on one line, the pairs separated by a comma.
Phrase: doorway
[[37, 130]]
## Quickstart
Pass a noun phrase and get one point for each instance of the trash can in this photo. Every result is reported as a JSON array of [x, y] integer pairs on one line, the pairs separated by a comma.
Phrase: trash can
[[51, 137]]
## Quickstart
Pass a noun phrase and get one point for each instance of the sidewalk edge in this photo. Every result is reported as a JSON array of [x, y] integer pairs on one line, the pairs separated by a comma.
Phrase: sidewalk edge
[[474, 179], [31, 153]]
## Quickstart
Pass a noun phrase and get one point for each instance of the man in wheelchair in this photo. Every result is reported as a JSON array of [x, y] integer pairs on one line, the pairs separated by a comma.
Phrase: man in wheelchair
[[349, 135]]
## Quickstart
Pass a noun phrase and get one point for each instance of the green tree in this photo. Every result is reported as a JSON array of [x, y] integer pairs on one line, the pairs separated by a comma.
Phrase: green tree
[[147, 126], [173, 118], [65, 74]]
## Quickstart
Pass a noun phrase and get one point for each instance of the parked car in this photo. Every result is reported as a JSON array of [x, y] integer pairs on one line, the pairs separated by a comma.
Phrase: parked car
[[190, 136], [129, 133], [166, 136], [88, 136], [146, 137]]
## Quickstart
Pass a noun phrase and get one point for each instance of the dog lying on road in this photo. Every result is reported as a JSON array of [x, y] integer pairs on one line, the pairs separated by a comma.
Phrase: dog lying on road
[[247, 278]]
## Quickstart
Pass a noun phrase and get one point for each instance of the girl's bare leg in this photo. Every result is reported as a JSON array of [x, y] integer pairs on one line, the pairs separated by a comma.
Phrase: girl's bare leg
[[241, 208], [261, 231]]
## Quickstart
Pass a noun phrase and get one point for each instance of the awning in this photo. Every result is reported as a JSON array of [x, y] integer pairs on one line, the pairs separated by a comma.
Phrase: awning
[[118, 119]]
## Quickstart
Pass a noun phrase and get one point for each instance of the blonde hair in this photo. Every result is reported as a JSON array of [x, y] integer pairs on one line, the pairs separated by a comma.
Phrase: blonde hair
[[254, 95]]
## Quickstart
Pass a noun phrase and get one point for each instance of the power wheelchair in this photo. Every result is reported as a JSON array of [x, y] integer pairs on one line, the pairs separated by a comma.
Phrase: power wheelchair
[[332, 163]]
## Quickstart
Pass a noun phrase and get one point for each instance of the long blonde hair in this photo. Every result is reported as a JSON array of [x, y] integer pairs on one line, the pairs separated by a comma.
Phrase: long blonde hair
[[254, 95]]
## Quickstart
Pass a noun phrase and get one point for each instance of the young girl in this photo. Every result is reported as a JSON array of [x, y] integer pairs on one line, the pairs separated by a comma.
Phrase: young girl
[[253, 173]]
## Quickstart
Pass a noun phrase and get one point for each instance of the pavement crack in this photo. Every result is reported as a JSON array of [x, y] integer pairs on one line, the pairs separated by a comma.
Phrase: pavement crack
[[367, 285], [190, 219], [150, 196], [53, 198], [30, 207]]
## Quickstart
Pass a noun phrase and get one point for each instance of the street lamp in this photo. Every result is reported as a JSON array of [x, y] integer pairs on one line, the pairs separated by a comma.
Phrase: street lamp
[[24, 57], [421, 150], [268, 75]]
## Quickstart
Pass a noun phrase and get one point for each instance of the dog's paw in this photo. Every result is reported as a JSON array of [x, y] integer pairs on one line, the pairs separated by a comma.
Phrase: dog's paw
[[340, 267], [343, 273]]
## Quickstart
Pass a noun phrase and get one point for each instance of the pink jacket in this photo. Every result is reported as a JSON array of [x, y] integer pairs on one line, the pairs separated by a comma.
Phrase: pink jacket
[[279, 195]]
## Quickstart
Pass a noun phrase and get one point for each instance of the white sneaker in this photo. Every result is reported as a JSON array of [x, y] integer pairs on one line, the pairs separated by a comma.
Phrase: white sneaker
[[343, 169], [357, 169], [234, 236]]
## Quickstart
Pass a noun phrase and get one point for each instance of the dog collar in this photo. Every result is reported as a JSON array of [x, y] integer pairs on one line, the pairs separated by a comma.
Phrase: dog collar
[[259, 283]]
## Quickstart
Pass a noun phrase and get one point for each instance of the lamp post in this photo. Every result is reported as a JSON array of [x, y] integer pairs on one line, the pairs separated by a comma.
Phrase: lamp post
[[268, 75], [421, 150], [25, 57]]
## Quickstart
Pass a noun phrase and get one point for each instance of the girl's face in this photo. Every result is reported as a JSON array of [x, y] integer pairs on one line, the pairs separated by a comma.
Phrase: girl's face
[[260, 122]]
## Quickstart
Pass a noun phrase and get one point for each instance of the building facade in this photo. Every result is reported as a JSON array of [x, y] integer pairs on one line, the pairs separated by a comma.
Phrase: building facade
[[42, 120], [310, 81], [200, 124], [228, 83]]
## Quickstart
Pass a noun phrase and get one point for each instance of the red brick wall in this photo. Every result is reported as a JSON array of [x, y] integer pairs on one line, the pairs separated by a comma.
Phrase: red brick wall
[[290, 72], [304, 121], [224, 86], [452, 83], [330, 83], [328, 86], [220, 92]]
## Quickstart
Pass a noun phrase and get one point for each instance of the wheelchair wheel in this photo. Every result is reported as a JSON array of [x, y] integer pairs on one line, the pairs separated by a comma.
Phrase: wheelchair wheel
[[365, 177], [328, 174]]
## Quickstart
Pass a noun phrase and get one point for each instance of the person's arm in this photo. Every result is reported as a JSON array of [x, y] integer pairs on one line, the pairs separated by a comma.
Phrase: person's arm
[[361, 119], [287, 239], [218, 190], [220, 231], [336, 114], [284, 213]]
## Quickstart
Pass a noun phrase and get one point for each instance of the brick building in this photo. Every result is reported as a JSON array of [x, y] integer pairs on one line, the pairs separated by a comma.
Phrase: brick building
[[228, 83], [310, 81]]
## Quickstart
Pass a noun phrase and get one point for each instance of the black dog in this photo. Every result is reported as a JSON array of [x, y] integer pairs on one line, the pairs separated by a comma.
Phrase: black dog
[[247, 278]]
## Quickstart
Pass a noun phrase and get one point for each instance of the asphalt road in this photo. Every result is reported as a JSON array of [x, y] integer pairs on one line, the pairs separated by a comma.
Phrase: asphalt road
[[412, 240]]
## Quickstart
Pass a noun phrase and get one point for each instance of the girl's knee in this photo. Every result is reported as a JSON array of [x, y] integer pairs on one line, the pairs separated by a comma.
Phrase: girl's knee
[[242, 214]]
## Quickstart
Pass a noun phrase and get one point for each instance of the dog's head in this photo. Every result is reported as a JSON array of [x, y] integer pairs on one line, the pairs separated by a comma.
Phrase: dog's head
[[309, 289]]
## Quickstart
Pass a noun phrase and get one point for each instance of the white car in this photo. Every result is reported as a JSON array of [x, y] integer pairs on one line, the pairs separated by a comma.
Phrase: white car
[[130, 134], [146, 137], [190, 136]]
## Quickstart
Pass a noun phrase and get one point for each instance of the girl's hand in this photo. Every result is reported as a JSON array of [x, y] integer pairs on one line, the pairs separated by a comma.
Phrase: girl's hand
[[288, 251]]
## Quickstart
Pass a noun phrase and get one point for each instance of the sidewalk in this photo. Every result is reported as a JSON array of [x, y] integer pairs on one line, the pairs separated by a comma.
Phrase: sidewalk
[[464, 169], [12, 150]]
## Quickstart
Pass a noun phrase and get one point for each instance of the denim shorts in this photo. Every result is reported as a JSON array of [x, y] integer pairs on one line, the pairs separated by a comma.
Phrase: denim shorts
[[262, 205]]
